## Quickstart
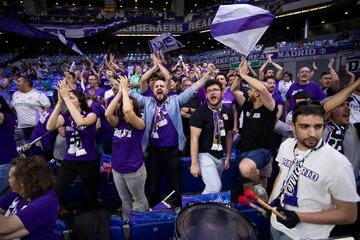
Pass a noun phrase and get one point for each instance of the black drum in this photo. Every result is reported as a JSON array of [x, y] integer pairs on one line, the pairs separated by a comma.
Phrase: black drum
[[213, 221]]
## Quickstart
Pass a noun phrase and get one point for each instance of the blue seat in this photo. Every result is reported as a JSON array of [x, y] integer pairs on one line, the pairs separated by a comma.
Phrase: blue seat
[[116, 228], [157, 225], [59, 229]]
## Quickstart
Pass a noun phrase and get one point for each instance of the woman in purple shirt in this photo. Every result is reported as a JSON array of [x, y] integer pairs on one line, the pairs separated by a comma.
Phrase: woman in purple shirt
[[127, 159], [7, 142], [30, 211], [80, 130]]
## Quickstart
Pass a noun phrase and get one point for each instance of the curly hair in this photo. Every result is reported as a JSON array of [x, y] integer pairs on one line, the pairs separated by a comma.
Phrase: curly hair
[[33, 175]]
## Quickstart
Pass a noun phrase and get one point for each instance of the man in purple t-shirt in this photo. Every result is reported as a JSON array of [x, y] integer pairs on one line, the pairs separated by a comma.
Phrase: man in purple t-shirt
[[303, 84]]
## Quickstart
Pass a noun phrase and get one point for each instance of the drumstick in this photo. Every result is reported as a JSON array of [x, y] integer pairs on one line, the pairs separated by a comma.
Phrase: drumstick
[[243, 200], [252, 196]]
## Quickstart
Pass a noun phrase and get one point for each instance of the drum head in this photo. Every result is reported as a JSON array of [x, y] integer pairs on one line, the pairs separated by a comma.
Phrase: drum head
[[213, 221]]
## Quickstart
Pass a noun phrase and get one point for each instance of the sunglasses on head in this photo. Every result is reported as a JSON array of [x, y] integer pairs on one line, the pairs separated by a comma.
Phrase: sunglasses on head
[[307, 103]]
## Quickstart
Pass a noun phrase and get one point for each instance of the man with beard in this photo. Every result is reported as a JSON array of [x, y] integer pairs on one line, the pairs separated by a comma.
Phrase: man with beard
[[211, 133], [315, 188], [257, 142], [164, 135], [329, 81], [263, 74]]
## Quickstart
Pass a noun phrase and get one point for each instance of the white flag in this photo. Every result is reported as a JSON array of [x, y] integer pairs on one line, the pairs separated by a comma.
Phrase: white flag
[[165, 42], [69, 44], [240, 26]]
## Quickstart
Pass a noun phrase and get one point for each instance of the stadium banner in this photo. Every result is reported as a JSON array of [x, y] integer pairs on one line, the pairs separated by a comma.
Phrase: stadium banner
[[152, 28], [354, 65], [199, 24], [76, 31], [165, 42], [231, 56]]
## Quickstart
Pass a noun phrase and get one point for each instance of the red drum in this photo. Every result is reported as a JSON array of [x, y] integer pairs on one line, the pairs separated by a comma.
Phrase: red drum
[[213, 221]]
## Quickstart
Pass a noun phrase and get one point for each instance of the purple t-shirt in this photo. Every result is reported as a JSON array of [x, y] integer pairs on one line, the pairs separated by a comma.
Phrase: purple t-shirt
[[312, 88], [168, 136], [277, 97], [39, 216], [100, 92], [124, 139], [106, 131], [87, 139], [105, 83], [201, 94], [228, 99], [47, 142], [148, 92], [7, 140]]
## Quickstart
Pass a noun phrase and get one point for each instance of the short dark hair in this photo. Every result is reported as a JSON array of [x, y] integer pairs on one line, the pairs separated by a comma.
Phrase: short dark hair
[[324, 73], [222, 74], [302, 95], [267, 69], [308, 108], [28, 80], [33, 175], [213, 82], [289, 74]]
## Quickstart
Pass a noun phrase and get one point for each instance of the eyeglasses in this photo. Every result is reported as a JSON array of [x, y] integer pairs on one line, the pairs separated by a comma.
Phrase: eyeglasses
[[213, 90]]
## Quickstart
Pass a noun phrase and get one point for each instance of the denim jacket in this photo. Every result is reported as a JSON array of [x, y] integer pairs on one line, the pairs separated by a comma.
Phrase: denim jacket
[[172, 104]]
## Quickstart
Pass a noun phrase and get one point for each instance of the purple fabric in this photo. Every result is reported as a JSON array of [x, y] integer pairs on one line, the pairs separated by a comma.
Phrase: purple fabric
[[106, 131], [39, 216], [15, 26], [228, 99], [123, 160], [47, 142], [7, 140], [277, 97], [100, 92], [87, 136], [168, 136], [241, 24], [201, 94], [109, 100], [105, 83], [148, 92], [312, 88]]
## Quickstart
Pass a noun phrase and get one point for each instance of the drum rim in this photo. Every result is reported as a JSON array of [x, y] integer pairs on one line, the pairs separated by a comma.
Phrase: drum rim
[[223, 205]]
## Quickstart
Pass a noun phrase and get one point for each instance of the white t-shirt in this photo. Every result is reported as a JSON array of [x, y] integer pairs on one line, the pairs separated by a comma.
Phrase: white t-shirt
[[29, 107], [288, 119], [355, 109], [326, 174], [283, 88]]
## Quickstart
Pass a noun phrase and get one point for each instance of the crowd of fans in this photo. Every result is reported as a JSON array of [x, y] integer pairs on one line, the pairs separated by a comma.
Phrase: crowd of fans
[[148, 116]]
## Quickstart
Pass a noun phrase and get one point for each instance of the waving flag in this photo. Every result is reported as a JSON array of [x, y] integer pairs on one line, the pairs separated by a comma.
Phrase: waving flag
[[240, 26], [69, 44], [165, 42]]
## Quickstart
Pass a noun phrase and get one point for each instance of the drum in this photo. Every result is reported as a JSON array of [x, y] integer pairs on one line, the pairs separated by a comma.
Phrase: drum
[[213, 221]]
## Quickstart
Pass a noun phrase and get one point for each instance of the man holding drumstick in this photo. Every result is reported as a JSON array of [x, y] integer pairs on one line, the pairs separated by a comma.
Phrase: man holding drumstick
[[316, 185]]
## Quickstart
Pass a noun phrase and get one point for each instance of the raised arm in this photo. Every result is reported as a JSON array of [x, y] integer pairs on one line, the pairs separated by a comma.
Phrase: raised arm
[[350, 74], [145, 77], [55, 119], [235, 89], [341, 96], [313, 70], [265, 95], [109, 113], [335, 81], [163, 70], [262, 69], [128, 110], [74, 112], [280, 69]]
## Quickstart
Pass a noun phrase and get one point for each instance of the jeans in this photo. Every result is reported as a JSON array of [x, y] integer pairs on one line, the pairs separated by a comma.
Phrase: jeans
[[131, 185], [89, 173], [4, 184], [277, 235], [159, 160], [211, 169]]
